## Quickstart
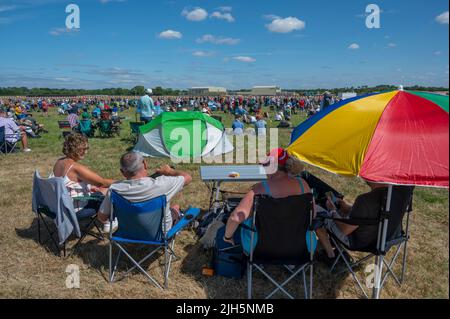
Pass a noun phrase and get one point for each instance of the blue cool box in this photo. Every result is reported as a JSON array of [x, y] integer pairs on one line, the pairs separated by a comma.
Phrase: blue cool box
[[229, 261]]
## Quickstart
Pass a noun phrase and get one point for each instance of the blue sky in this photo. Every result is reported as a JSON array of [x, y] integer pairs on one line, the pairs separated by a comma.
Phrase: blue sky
[[230, 43]]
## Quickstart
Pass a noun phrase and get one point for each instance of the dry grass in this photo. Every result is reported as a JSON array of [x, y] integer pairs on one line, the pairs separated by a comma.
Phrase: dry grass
[[28, 270]]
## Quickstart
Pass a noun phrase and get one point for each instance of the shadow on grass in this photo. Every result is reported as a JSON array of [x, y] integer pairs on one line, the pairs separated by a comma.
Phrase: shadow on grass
[[31, 233], [325, 286]]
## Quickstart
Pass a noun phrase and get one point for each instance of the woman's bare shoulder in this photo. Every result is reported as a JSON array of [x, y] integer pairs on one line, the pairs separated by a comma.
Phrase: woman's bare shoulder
[[258, 189]]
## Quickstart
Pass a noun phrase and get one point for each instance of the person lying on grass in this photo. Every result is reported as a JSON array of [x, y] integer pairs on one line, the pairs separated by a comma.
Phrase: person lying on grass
[[138, 187], [80, 181]]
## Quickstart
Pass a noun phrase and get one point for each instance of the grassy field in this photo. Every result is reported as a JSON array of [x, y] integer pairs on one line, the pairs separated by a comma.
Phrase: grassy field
[[28, 270]]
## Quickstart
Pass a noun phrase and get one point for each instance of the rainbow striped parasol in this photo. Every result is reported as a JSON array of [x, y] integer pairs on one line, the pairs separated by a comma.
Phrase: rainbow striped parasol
[[397, 137]]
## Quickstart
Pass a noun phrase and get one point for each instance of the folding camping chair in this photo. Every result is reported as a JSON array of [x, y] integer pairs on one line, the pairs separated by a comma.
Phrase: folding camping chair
[[134, 126], [145, 224], [85, 128], [281, 234], [50, 195], [6, 146], [391, 219], [107, 129], [65, 128]]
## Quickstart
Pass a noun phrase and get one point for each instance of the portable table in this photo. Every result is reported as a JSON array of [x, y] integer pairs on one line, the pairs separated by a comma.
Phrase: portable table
[[221, 174]]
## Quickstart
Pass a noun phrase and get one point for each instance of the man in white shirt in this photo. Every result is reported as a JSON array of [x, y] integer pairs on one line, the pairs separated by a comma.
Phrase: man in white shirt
[[138, 187], [13, 132]]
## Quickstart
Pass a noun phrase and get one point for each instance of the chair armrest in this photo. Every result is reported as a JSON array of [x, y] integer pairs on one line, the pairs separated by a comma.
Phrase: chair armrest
[[17, 135], [354, 221], [190, 215], [89, 198]]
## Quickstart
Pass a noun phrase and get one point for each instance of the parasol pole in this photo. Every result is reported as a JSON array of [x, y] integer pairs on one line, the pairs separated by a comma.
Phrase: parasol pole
[[382, 245]]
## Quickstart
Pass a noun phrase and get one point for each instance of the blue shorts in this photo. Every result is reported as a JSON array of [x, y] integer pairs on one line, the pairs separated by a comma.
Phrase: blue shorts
[[146, 119]]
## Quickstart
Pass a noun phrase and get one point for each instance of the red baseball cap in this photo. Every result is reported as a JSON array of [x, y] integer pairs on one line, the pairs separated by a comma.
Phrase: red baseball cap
[[279, 154]]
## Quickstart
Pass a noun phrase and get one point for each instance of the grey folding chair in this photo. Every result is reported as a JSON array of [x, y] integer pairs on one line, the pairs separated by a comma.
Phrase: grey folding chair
[[52, 202]]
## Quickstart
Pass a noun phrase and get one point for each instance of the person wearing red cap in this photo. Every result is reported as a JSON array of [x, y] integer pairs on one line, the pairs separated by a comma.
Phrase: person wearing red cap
[[282, 182]]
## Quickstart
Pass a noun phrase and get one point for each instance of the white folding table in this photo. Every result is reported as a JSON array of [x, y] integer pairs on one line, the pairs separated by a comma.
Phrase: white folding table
[[218, 175]]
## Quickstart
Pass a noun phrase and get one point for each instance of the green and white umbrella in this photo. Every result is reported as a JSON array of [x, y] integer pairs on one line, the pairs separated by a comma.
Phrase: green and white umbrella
[[183, 135]]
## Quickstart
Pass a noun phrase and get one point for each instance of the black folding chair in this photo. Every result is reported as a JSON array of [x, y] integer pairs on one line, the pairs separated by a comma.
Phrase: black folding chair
[[389, 230], [282, 231]]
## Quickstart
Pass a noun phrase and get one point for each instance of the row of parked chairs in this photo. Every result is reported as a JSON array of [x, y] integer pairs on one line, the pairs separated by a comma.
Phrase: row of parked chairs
[[140, 224], [106, 128], [284, 236]]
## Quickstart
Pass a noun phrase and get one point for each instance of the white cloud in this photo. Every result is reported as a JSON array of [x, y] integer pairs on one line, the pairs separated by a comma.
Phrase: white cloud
[[437, 53], [170, 35], [286, 25], [225, 9], [218, 40], [59, 31], [7, 8], [392, 45], [108, 1], [203, 54], [353, 46], [245, 59], [222, 16], [271, 17], [198, 14], [442, 18]]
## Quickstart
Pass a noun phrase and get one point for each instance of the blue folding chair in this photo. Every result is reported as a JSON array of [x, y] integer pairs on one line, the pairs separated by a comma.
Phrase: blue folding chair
[[145, 224]]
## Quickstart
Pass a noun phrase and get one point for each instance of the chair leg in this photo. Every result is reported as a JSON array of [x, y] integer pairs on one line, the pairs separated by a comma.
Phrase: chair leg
[[347, 263], [171, 255], [378, 273], [389, 269], [249, 280], [405, 250], [140, 268], [281, 286], [166, 262], [304, 284], [85, 233], [311, 280], [110, 261], [39, 228], [58, 248], [114, 269]]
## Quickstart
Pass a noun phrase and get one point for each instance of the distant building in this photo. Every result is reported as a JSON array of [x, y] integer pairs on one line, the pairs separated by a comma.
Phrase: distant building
[[347, 95], [207, 91], [265, 90]]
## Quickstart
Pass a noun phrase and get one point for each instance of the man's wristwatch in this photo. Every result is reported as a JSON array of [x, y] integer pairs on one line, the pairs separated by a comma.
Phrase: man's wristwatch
[[227, 238]]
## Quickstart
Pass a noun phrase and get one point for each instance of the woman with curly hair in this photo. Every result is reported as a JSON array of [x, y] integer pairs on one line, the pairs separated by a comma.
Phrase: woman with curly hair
[[79, 179]]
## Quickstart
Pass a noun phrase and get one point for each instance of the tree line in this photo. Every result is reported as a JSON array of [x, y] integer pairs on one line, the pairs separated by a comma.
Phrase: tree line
[[159, 91], [138, 91]]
